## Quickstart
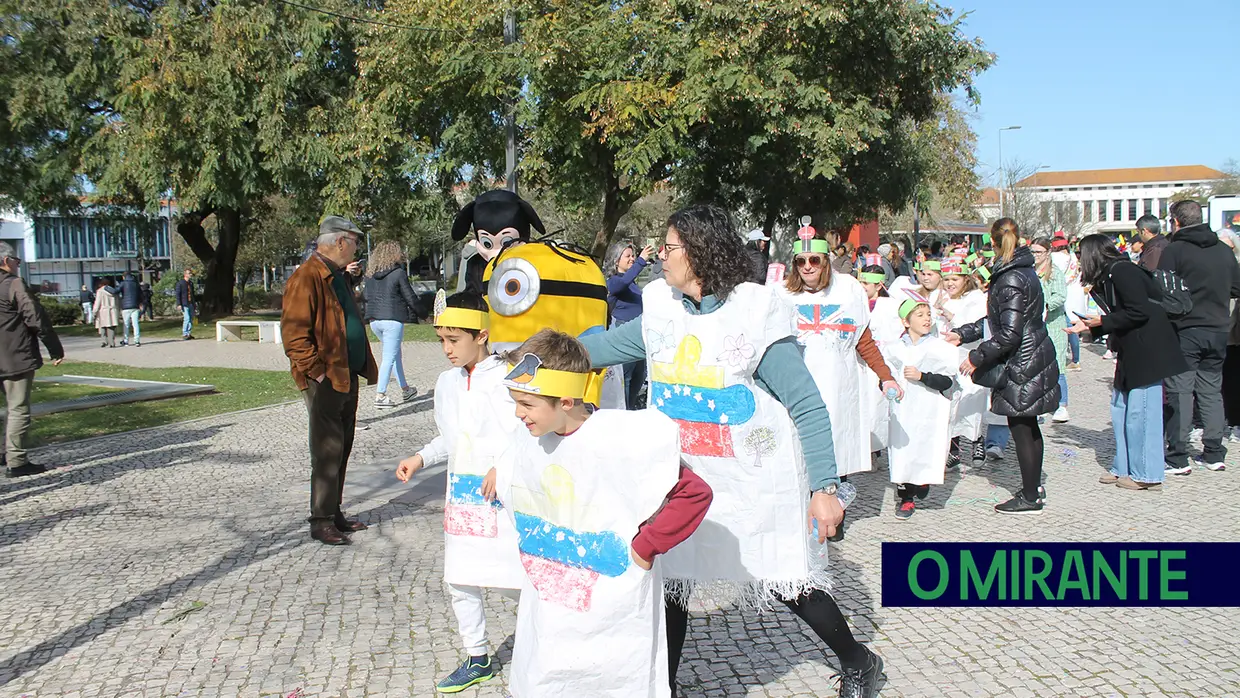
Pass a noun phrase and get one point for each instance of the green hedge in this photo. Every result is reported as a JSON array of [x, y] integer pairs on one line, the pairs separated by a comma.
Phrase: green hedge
[[61, 312]]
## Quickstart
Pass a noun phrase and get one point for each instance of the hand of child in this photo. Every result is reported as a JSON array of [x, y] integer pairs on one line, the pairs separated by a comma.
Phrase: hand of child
[[967, 368], [952, 338], [488, 485], [408, 467], [911, 373], [639, 560]]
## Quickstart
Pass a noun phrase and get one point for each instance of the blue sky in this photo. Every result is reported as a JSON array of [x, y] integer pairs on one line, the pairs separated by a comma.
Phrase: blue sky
[[1096, 84]]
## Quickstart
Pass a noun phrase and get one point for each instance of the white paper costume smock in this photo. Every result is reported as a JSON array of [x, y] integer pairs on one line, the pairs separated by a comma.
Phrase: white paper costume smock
[[885, 327], [828, 325], [590, 621], [919, 441], [476, 420], [970, 402], [753, 545]]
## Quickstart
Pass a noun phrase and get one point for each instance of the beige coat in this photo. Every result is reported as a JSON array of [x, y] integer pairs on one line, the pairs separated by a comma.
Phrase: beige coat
[[107, 310]]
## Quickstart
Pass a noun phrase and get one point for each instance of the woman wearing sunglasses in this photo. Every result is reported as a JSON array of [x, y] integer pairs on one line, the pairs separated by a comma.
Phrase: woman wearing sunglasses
[[724, 364], [831, 316]]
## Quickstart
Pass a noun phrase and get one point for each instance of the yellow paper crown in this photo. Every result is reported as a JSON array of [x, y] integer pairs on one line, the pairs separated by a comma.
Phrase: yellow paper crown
[[463, 318], [529, 376]]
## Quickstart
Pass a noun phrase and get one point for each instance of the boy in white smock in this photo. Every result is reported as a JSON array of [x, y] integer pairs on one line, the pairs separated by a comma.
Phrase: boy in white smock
[[595, 497], [474, 415], [919, 436]]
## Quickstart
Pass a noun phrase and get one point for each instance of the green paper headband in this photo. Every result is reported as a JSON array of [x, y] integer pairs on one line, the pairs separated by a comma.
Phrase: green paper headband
[[983, 272], [908, 306], [872, 277], [970, 259], [988, 253], [932, 265], [815, 245]]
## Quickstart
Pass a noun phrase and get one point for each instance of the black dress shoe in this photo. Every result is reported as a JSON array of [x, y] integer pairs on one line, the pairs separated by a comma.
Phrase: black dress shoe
[[329, 535], [27, 469], [350, 526]]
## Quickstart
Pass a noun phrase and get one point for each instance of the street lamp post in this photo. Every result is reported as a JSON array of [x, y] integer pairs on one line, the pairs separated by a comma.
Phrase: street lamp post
[[1002, 173]]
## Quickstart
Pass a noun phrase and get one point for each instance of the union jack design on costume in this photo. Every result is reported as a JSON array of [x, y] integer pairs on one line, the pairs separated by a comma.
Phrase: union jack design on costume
[[822, 319]]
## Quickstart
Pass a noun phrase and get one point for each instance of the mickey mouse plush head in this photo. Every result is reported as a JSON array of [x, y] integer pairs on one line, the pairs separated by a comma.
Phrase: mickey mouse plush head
[[497, 217]]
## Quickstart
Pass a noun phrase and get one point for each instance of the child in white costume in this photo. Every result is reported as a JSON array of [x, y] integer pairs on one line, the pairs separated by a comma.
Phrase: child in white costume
[[831, 318], [964, 303], [596, 499], [474, 415], [885, 326], [918, 444]]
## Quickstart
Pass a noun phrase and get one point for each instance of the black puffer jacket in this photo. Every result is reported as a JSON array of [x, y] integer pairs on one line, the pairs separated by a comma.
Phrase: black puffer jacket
[[389, 296], [1029, 383]]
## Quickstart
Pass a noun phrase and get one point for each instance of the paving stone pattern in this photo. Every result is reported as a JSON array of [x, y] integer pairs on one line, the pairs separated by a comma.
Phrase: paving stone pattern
[[176, 562]]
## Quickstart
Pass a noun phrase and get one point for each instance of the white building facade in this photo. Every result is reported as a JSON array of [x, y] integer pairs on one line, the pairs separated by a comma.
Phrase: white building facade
[[1109, 201]]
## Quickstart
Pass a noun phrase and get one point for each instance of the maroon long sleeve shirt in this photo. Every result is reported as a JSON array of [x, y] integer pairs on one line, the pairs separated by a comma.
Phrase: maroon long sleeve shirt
[[678, 518]]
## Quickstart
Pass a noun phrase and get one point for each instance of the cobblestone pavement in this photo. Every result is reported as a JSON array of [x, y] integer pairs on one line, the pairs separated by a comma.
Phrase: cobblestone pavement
[[175, 562]]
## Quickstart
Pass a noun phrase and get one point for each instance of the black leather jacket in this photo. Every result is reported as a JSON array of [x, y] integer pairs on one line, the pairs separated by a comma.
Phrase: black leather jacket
[[1029, 385]]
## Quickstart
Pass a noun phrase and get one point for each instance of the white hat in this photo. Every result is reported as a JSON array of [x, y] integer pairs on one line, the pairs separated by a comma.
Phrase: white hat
[[757, 235], [885, 249]]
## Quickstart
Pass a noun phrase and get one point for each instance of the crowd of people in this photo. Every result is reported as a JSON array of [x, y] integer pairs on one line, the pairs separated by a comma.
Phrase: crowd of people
[[752, 397]]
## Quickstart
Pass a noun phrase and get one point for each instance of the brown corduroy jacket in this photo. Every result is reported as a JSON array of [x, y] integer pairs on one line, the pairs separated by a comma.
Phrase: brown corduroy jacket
[[312, 327]]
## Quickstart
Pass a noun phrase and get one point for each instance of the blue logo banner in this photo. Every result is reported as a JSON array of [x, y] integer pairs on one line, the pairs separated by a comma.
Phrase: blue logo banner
[[1061, 574]]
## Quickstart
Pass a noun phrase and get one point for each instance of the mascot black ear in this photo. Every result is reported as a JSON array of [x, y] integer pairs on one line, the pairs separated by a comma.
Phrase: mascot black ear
[[532, 216], [464, 221]]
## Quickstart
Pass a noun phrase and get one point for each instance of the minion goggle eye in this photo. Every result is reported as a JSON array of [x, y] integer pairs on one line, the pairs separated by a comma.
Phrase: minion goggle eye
[[514, 288]]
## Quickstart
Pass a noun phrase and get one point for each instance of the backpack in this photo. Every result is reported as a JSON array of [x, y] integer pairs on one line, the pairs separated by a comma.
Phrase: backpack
[[1176, 300]]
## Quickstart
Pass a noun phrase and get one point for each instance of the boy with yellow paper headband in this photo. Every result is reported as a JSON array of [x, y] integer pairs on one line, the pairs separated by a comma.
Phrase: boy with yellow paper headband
[[593, 508], [474, 415]]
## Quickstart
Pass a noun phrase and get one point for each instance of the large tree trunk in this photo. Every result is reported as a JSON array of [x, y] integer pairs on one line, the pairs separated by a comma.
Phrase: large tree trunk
[[616, 203], [219, 261]]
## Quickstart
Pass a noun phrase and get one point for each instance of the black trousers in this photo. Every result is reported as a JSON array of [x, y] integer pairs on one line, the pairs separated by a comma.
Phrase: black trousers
[[1231, 385], [333, 418], [816, 608]]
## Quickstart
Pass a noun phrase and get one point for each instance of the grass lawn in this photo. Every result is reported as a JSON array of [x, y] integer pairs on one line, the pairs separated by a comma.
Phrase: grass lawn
[[163, 328], [54, 392], [236, 389]]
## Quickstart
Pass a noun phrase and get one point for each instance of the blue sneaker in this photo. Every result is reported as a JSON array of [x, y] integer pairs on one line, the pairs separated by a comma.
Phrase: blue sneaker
[[470, 673]]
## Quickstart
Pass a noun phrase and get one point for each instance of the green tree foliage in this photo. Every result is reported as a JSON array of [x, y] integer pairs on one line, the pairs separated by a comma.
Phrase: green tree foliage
[[769, 106]]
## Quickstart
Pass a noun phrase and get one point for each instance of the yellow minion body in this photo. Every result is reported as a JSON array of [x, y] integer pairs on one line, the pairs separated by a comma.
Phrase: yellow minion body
[[537, 285]]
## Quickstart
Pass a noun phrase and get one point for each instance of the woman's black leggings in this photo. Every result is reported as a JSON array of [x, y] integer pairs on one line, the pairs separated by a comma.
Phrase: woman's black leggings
[[1027, 439], [816, 608]]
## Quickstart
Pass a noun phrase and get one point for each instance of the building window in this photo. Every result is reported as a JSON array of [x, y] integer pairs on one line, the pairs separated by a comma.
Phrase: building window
[[1117, 210], [1149, 206], [1132, 210], [1162, 208], [1087, 211]]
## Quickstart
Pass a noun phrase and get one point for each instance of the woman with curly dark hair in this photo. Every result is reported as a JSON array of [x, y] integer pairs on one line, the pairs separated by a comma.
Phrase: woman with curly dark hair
[[724, 364]]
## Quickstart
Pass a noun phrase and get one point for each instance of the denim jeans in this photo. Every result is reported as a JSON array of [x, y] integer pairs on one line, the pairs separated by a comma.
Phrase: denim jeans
[[998, 435], [390, 334], [1137, 420], [88, 312], [128, 316], [1074, 345], [187, 320], [1063, 389]]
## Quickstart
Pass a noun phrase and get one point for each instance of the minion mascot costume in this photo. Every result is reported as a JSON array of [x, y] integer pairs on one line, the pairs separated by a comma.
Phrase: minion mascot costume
[[533, 285]]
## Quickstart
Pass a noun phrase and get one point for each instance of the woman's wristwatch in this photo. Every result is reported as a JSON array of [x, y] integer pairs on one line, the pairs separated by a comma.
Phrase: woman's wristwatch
[[829, 489]]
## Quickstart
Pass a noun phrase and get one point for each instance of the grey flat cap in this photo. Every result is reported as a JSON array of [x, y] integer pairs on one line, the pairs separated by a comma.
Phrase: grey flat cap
[[338, 224]]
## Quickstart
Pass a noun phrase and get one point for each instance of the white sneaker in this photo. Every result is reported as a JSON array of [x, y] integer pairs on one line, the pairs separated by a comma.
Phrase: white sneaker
[[1215, 467], [1234, 435], [1172, 470], [994, 453], [1061, 415], [409, 393], [384, 402], [1109, 355]]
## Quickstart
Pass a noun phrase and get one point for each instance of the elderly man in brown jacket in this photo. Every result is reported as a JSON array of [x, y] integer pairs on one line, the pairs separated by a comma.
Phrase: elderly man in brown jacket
[[326, 344]]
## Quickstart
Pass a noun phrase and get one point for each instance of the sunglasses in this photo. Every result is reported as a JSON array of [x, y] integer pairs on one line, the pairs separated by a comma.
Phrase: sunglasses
[[813, 260]]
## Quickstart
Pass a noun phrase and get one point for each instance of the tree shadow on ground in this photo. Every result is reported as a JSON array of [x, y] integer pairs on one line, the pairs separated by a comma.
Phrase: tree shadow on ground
[[19, 532], [126, 456], [730, 646], [875, 487], [420, 403], [255, 548]]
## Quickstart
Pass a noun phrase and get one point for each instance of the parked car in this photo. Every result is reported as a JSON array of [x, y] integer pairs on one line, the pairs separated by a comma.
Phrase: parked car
[[424, 293]]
